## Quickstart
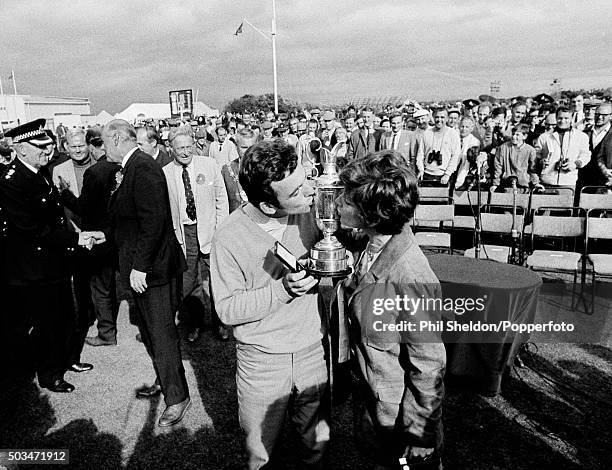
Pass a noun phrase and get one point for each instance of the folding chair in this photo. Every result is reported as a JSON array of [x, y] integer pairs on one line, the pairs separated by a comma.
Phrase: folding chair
[[595, 197], [570, 226], [465, 208], [561, 197], [433, 191], [434, 213], [598, 226], [497, 220]]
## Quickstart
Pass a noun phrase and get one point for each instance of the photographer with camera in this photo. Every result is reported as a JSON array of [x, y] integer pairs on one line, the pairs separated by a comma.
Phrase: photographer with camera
[[561, 153], [438, 156]]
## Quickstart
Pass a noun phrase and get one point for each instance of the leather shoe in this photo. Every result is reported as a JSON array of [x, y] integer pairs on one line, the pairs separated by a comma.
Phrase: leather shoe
[[80, 367], [148, 391], [173, 414], [223, 333], [97, 341], [193, 335], [59, 386]]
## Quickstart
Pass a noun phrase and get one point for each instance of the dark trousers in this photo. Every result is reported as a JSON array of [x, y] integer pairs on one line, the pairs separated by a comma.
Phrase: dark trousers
[[84, 311], [104, 296], [39, 322], [155, 310], [196, 282]]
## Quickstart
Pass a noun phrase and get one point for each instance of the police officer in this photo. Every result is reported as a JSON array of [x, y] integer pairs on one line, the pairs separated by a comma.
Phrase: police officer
[[40, 313]]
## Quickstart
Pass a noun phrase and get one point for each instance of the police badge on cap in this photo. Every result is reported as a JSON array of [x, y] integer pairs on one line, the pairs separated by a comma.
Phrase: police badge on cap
[[32, 132]]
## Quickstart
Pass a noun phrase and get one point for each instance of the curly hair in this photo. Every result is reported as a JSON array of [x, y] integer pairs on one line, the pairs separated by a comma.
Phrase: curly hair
[[383, 188], [262, 164]]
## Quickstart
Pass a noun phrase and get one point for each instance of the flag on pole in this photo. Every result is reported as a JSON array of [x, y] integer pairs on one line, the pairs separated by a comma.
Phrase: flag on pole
[[239, 30]]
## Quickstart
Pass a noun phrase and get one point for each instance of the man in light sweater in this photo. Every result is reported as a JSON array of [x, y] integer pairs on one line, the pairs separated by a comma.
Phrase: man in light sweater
[[562, 152], [274, 313], [438, 156]]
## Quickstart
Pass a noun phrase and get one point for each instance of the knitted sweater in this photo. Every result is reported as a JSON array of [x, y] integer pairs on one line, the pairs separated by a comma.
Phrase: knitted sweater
[[247, 284]]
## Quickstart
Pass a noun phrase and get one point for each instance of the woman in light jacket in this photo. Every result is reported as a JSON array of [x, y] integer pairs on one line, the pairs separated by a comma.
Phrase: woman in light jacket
[[399, 373]]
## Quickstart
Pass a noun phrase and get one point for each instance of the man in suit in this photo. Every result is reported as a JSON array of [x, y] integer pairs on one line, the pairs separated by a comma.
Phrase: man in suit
[[235, 194], [327, 134], [148, 141], [224, 150], [598, 172], [363, 140], [92, 207], [150, 262], [36, 265], [400, 140], [198, 201], [70, 175]]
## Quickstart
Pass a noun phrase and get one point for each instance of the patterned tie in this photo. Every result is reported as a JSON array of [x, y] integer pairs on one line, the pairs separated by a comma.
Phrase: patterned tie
[[191, 208], [393, 141]]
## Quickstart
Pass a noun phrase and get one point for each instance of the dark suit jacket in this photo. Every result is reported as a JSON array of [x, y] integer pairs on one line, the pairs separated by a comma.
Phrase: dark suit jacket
[[601, 159], [359, 145], [141, 223], [92, 204], [163, 158], [37, 244]]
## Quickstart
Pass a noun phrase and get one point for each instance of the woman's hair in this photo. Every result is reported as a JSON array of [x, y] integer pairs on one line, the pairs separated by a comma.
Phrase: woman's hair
[[383, 188]]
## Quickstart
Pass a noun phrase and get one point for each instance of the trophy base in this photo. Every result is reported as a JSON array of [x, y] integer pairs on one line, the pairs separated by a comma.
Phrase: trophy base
[[328, 262], [317, 273]]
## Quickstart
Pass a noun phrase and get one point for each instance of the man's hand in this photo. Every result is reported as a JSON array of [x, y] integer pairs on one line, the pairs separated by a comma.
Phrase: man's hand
[[297, 284], [99, 237], [444, 179], [96, 237], [413, 452], [63, 184], [493, 188], [138, 281], [86, 240]]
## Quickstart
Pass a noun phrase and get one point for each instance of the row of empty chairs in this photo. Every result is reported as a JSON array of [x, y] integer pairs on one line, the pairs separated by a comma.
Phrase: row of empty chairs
[[537, 217]]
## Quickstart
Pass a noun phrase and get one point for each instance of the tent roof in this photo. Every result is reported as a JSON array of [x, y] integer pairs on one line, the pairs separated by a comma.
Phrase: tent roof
[[160, 110]]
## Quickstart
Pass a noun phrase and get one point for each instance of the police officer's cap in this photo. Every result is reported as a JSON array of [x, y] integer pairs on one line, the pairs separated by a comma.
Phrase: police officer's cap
[[32, 132]]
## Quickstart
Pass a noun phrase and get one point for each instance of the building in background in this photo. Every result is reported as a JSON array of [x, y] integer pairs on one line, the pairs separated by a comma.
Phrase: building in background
[[17, 109]]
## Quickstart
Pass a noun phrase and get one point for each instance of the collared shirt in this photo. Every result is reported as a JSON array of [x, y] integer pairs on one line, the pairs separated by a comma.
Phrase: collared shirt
[[395, 139], [156, 154], [275, 226], [182, 199], [127, 156], [598, 136], [29, 167]]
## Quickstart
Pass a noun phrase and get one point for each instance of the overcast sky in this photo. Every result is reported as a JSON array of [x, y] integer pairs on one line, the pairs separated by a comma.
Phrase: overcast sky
[[116, 52]]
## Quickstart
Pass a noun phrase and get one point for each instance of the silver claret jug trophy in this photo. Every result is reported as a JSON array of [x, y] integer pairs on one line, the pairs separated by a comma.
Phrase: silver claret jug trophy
[[328, 257]]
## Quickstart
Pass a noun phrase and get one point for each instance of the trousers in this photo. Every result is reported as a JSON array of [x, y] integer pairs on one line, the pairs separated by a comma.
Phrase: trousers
[[155, 310], [271, 386]]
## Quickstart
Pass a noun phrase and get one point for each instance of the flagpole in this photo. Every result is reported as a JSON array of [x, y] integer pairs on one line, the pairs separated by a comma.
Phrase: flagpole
[[274, 56], [14, 84]]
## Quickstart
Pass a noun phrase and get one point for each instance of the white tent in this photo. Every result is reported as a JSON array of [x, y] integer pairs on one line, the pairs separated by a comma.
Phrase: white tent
[[161, 111], [103, 117]]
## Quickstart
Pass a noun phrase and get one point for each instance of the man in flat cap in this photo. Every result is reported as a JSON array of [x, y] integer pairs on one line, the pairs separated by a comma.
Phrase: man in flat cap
[[38, 248]]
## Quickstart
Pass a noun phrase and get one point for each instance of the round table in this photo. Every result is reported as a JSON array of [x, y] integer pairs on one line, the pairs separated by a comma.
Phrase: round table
[[506, 293]]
